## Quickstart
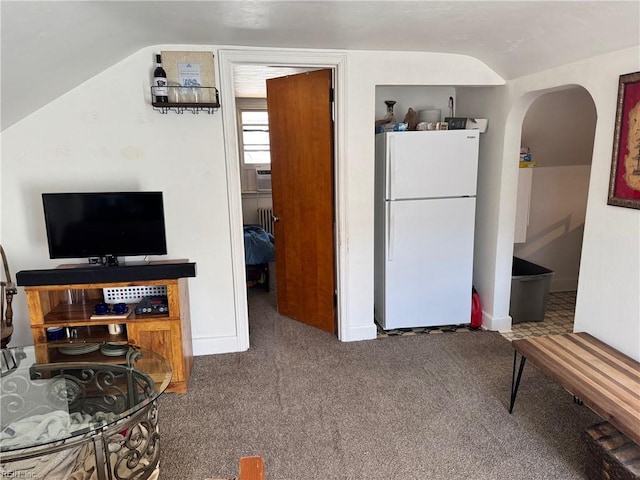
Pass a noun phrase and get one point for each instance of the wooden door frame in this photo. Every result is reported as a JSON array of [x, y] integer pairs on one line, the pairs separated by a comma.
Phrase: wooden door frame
[[291, 58]]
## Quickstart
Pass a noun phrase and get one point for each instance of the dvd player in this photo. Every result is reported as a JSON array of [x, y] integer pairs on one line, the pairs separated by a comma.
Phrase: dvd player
[[152, 305]]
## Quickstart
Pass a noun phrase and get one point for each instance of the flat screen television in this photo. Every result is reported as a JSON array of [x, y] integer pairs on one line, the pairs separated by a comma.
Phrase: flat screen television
[[106, 225]]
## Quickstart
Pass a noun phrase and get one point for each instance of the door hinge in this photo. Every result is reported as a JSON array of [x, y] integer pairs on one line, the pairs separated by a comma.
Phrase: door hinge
[[331, 94]]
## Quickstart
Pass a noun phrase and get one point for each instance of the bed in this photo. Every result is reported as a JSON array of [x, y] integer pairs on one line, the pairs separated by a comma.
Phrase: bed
[[259, 251]]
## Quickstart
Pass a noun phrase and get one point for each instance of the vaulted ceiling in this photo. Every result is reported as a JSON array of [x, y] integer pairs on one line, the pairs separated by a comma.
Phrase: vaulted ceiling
[[50, 47]]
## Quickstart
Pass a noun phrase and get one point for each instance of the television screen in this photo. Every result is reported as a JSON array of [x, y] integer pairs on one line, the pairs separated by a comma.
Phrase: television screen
[[109, 224]]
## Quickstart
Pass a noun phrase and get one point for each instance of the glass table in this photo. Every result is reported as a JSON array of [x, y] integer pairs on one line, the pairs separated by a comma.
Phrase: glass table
[[92, 414]]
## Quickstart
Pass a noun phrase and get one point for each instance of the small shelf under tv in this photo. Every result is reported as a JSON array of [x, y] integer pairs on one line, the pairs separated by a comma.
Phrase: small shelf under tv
[[64, 314], [88, 334]]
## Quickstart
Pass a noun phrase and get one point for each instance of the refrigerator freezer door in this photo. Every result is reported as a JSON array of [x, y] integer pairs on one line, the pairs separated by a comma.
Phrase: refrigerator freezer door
[[429, 263], [431, 164]]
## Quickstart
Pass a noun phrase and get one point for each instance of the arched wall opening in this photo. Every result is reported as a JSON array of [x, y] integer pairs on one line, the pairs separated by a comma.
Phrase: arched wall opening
[[557, 126]]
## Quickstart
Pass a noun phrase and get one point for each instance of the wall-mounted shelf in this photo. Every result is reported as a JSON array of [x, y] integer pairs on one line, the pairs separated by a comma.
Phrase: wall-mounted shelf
[[190, 99]]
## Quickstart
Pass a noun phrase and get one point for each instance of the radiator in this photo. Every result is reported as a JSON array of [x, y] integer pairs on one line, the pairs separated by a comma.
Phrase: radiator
[[265, 219]]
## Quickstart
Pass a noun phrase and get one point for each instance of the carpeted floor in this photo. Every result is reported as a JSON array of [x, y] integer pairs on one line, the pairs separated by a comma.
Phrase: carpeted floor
[[407, 407]]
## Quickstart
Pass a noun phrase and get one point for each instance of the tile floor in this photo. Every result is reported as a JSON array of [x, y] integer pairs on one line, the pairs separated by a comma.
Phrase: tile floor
[[404, 332], [558, 319]]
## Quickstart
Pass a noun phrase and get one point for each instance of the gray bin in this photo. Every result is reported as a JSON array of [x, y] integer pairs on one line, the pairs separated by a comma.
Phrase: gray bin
[[529, 291]]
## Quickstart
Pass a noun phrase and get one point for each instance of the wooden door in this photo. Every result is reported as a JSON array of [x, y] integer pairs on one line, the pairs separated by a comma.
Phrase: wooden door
[[301, 138]]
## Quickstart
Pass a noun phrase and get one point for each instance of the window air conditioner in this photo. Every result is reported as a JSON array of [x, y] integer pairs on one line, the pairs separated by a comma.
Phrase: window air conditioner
[[263, 180]]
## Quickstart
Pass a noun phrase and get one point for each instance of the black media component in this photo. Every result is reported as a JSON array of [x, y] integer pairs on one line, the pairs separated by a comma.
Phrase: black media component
[[96, 274], [152, 305], [106, 225]]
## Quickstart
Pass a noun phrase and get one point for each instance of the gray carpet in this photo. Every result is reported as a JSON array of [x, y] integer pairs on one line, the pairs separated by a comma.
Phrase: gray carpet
[[417, 407]]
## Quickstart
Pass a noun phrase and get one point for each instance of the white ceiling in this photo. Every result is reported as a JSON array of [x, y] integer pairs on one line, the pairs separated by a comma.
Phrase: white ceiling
[[49, 47]]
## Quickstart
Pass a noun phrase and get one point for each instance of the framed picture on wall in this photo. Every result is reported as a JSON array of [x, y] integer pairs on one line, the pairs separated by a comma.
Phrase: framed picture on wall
[[624, 184], [190, 70]]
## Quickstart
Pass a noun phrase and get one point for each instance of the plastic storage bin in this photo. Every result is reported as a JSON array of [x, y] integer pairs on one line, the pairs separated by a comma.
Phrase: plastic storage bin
[[529, 291]]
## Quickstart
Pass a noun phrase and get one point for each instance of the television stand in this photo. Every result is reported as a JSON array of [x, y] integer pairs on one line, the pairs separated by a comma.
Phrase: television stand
[[166, 333]]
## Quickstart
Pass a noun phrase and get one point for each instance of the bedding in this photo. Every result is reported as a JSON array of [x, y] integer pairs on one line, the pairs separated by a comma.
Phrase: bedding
[[258, 245]]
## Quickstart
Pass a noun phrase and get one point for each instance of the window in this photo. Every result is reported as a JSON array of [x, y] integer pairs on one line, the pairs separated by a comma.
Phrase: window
[[253, 121]]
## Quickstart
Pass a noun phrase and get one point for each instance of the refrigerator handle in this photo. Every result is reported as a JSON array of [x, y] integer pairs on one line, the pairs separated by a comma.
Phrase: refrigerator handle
[[390, 173], [389, 232]]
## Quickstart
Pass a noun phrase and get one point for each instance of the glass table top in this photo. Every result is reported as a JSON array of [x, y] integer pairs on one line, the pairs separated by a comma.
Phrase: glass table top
[[85, 388]]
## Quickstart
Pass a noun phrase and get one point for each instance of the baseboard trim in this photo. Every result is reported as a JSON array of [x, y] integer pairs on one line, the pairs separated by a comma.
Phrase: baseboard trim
[[499, 324], [362, 332], [215, 345]]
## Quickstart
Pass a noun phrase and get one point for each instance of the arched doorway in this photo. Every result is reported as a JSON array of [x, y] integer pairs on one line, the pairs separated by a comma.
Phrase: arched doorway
[[558, 131]]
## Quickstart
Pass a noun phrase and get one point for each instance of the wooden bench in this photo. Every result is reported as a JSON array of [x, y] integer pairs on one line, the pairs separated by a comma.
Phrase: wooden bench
[[605, 380]]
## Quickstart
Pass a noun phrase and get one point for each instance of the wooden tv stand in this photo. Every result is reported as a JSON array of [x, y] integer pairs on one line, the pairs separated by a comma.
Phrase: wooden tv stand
[[66, 296]]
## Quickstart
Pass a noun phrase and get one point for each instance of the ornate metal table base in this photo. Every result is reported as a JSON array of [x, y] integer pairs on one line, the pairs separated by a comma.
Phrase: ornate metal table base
[[126, 450], [116, 414]]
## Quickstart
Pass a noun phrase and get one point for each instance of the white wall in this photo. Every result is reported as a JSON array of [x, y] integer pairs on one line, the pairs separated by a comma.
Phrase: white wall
[[556, 223], [104, 135], [418, 97], [491, 267], [559, 128], [608, 302], [250, 204]]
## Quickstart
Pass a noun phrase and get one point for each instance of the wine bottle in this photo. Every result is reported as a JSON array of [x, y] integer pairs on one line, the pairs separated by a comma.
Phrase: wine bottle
[[160, 89]]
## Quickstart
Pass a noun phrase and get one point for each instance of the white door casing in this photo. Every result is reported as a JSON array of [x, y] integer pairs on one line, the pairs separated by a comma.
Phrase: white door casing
[[294, 58]]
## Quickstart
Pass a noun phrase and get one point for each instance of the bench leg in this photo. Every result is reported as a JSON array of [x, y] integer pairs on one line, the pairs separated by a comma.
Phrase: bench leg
[[515, 382]]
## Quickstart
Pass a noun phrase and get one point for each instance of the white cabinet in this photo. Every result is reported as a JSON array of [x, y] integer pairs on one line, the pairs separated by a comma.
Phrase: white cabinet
[[525, 180]]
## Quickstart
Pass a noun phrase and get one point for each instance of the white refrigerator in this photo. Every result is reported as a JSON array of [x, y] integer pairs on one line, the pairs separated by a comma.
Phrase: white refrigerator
[[425, 198]]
